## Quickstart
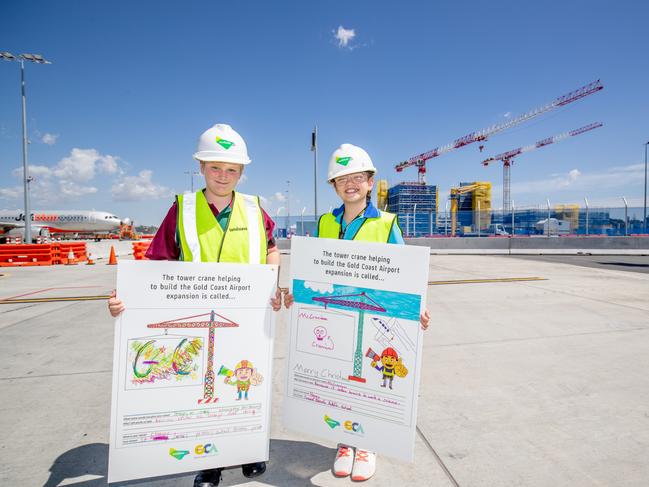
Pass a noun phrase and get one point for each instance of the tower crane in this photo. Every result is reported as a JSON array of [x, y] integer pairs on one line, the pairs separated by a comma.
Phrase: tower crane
[[484, 134], [507, 158]]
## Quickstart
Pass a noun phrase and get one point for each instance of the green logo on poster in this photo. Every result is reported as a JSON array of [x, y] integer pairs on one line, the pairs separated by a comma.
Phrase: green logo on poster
[[331, 422], [178, 454]]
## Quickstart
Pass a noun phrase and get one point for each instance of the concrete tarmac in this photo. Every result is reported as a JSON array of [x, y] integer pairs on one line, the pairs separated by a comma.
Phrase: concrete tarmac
[[538, 383]]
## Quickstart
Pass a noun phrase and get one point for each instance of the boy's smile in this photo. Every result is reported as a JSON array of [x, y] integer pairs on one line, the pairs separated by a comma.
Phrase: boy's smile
[[221, 177]]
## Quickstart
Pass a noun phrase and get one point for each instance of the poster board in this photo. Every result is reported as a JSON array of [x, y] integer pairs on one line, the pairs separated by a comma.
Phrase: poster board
[[191, 367], [355, 341]]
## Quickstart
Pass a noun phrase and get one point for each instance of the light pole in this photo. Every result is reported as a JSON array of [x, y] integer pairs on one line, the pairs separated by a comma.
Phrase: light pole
[[414, 217], [548, 200], [38, 59], [644, 221], [191, 175], [446, 218], [302, 215], [626, 217], [314, 149], [277, 218], [288, 207]]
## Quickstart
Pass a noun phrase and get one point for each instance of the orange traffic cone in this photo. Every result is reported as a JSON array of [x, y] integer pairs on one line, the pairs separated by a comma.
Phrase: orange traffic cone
[[71, 259], [112, 259], [90, 261]]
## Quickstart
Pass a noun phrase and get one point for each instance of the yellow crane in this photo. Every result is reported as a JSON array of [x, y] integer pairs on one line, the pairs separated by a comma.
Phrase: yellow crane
[[482, 194]]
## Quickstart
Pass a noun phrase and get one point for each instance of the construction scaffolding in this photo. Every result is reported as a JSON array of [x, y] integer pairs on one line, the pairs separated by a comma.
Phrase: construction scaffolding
[[416, 205], [569, 213], [473, 206]]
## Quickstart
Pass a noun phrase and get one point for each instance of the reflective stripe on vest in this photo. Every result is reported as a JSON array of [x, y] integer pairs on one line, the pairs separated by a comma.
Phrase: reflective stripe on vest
[[371, 230], [203, 240]]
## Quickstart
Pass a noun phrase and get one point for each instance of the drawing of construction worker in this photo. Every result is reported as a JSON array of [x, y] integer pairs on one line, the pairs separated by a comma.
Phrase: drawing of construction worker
[[245, 375], [390, 365]]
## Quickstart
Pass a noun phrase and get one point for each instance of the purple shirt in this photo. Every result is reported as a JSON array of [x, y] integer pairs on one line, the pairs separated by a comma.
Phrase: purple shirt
[[164, 245]]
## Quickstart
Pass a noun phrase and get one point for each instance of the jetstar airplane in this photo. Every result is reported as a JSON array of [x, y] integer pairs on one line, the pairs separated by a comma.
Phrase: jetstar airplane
[[12, 222]]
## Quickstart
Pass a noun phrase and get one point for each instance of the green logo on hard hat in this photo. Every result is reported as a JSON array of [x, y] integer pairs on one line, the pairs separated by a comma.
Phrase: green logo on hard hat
[[343, 160], [226, 144]]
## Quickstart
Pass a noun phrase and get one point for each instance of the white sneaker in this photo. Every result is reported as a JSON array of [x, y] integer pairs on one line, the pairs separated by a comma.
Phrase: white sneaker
[[344, 461], [364, 465]]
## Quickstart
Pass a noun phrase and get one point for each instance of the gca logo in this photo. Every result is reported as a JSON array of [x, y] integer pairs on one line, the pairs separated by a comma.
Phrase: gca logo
[[206, 449]]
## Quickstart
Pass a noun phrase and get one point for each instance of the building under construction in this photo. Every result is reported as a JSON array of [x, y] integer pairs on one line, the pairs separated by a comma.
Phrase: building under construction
[[416, 205], [471, 207]]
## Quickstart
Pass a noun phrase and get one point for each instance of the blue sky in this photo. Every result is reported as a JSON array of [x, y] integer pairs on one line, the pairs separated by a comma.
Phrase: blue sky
[[114, 120]]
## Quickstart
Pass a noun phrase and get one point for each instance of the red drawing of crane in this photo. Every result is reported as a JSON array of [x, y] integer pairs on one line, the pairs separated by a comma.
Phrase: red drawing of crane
[[354, 301], [212, 324], [484, 134], [507, 158]]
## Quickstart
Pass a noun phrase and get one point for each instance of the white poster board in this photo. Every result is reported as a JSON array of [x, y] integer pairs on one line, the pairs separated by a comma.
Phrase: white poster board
[[191, 367], [355, 342]]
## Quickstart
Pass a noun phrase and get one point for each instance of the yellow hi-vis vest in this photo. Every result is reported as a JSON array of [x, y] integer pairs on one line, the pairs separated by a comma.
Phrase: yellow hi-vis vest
[[372, 229], [203, 240]]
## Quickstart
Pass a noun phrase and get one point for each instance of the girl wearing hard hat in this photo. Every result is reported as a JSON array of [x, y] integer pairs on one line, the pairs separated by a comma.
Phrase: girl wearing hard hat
[[351, 173], [216, 224]]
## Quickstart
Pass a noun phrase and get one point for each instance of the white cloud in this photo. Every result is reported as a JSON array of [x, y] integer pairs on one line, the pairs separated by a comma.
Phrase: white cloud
[[82, 164], [280, 196], [507, 114], [609, 179], [38, 171], [243, 179], [344, 36], [320, 287], [11, 193], [606, 186], [72, 190], [34, 171], [49, 139], [140, 187]]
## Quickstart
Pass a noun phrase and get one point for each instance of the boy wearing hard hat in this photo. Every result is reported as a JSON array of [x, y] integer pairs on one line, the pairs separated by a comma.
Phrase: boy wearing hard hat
[[351, 173], [216, 224]]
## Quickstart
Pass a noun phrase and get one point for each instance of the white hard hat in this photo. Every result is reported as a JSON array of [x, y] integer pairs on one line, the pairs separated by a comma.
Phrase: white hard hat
[[348, 159], [221, 143]]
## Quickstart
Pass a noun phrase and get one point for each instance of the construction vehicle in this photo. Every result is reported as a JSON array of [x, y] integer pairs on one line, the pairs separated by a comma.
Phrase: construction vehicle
[[507, 158], [481, 204], [552, 227], [484, 134], [127, 230]]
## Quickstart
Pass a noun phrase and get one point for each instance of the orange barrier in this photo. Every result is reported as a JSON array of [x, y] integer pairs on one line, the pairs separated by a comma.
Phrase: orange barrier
[[61, 251], [140, 248], [25, 255]]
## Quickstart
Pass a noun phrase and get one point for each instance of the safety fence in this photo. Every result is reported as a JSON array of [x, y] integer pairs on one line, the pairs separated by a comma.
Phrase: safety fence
[[42, 254], [139, 249]]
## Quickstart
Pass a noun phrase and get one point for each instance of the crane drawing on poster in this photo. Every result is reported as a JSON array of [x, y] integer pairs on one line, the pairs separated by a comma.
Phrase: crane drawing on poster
[[371, 333], [172, 360]]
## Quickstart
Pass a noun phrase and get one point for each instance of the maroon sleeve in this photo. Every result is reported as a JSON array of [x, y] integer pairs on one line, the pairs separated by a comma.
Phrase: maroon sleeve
[[269, 225], [164, 245]]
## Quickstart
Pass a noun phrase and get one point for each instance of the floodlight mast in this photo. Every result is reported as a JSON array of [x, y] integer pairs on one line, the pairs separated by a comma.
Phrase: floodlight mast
[[38, 59]]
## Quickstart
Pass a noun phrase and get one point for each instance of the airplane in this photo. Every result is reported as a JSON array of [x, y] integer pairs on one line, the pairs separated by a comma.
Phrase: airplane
[[45, 223], [390, 333]]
